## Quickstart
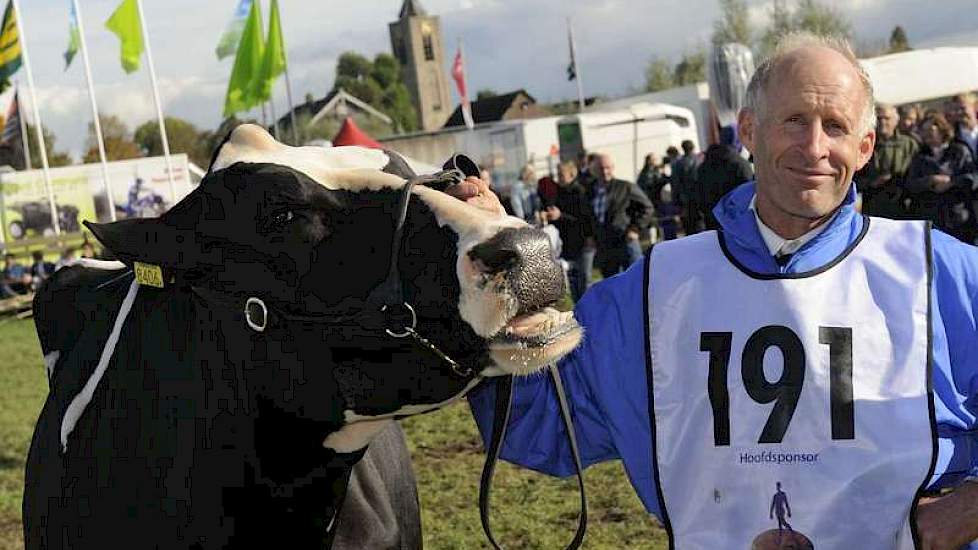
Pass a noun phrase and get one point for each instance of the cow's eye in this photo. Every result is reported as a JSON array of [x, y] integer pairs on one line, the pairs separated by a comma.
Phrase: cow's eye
[[281, 219]]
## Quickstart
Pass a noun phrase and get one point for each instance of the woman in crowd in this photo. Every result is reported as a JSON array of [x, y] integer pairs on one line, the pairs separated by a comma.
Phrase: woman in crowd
[[941, 178]]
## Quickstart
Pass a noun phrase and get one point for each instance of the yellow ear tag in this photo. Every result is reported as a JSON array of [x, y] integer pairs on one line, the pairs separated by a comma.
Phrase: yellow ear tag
[[148, 274]]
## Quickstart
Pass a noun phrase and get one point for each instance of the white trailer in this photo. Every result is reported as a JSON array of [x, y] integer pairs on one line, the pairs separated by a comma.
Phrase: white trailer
[[627, 134]]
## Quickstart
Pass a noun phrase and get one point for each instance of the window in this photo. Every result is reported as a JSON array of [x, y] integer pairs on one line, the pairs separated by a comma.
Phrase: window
[[429, 50]]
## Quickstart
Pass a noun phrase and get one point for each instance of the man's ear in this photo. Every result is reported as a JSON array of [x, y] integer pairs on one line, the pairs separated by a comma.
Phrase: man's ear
[[746, 126], [866, 146]]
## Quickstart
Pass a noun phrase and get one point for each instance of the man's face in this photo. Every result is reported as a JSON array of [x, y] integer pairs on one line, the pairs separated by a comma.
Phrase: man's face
[[886, 121], [966, 108], [565, 175], [953, 111], [604, 168], [807, 139]]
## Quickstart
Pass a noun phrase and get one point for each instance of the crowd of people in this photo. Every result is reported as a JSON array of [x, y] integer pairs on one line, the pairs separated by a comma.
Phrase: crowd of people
[[20, 278], [923, 166], [605, 222]]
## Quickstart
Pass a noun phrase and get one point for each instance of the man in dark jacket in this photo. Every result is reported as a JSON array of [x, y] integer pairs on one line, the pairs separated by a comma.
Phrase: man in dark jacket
[[571, 215], [683, 187], [881, 181], [621, 211], [722, 170]]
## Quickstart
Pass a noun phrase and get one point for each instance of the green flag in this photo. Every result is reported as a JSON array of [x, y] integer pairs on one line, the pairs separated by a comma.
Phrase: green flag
[[73, 37], [228, 43], [273, 60], [10, 58], [124, 22], [247, 64]]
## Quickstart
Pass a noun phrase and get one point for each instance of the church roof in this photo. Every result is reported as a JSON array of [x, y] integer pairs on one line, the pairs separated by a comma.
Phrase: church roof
[[411, 8], [492, 108]]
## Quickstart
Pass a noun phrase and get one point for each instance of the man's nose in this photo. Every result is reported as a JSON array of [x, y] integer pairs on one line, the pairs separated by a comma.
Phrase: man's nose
[[815, 143]]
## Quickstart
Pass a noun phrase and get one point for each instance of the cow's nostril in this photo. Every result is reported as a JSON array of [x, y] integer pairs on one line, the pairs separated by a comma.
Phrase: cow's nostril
[[492, 258]]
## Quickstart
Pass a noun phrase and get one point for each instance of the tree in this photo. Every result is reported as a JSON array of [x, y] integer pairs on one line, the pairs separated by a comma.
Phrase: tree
[[814, 17], [379, 83], [116, 137], [658, 75], [183, 137], [781, 24], [485, 93], [690, 69], [898, 41], [733, 24], [55, 158]]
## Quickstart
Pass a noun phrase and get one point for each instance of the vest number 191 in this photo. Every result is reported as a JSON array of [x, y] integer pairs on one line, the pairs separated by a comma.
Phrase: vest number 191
[[786, 391]]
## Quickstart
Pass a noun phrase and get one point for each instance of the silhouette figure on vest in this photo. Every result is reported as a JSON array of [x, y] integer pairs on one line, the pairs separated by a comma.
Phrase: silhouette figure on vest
[[779, 505]]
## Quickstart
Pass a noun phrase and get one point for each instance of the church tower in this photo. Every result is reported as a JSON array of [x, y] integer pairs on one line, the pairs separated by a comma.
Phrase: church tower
[[416, 41]]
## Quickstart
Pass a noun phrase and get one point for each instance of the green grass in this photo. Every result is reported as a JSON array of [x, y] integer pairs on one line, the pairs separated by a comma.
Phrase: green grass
[[529, 510]]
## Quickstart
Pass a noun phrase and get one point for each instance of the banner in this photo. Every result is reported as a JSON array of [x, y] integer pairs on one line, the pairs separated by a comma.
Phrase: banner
[[228, 43], [140, 188], [458, 74]]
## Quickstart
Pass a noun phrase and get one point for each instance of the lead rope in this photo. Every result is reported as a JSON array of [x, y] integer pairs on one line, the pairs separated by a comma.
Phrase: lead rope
[[504, 398]]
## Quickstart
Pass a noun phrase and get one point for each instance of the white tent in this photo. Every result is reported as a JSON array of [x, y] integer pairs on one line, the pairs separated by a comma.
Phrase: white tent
[[920, 75]]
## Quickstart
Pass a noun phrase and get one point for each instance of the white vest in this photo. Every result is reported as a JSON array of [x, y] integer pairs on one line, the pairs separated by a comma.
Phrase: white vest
[[841, 416]]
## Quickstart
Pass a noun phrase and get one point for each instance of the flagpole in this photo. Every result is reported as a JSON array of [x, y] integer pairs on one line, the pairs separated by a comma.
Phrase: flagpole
[[577, 67], [38, 127], [24, 135], [466, 99], [95, 117], [156, 98], [271, 108], [288, 89]]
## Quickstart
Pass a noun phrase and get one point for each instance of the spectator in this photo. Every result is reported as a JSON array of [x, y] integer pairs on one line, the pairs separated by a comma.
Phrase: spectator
[[667, 214], [881, 181], [967, 126], [621, 211], [722, 170], [571, 215], [68, 257], [909, 115], [523, 197], [941, 178], [546, 191], [683, 187], [651, 178], [40, 270], [88, 250], [583, 161], [16, 277]]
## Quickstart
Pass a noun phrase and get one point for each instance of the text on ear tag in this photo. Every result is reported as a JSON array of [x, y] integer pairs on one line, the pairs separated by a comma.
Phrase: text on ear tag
[[148, 274]]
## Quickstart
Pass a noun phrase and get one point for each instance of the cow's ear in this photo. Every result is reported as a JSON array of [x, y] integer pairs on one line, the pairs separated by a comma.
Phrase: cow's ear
[[172, 241]]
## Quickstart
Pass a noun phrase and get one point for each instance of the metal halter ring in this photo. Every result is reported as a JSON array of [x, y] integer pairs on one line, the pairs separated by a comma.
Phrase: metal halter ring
[[408, 330], [257, 327]]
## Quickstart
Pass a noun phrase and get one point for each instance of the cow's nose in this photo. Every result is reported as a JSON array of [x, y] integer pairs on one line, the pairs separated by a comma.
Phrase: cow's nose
[[532, 270]]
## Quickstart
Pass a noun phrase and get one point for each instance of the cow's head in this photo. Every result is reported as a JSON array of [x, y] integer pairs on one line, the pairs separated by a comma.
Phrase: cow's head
[[310, 230]]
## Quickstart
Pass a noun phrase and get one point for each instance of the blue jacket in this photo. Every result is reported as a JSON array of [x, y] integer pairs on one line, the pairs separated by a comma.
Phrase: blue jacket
[[606, 381]]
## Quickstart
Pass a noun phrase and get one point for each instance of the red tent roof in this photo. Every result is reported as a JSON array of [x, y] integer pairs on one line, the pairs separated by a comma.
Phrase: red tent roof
[[350, 134]]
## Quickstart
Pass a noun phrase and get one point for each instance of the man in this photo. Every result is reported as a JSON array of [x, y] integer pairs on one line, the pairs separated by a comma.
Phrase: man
[[779, 505], [721, 171], [684, 187], [16, 277], [873, 319], [621, 211], [571, 215], [966, 122], [908, 121], [882, 179]]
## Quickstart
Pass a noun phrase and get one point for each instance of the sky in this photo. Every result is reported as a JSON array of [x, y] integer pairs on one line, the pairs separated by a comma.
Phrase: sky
[[509, 44]]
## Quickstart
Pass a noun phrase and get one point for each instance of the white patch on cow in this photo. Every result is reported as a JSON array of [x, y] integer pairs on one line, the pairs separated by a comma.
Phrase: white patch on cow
[[50, 360], [337, 168], [354, 437], [106, 265], [353, 418], [84, 397]]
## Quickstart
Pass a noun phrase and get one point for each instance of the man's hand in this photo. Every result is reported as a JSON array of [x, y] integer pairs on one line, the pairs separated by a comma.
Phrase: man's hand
[[631, 235], [553, 213], [951, 521], [940, 183], [477, 193]]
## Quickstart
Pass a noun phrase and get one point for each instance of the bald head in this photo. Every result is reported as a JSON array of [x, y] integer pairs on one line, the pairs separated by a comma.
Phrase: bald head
[[801, 51]]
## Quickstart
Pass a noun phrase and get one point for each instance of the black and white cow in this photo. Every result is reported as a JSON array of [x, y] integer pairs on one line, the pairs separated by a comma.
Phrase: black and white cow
[[173, 423]]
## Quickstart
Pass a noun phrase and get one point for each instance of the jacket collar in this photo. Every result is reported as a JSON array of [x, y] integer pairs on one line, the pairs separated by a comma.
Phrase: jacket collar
[[744, 241]]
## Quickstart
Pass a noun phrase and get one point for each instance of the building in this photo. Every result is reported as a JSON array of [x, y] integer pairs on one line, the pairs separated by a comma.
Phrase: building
[[417, 45], [328, 115], [511, 106]]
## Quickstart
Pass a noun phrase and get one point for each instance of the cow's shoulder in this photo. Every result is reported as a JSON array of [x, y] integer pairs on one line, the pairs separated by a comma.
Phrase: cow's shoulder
[[75, 299]]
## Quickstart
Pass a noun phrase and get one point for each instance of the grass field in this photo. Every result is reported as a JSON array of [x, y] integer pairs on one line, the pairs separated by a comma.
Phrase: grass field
[[530, 510]]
